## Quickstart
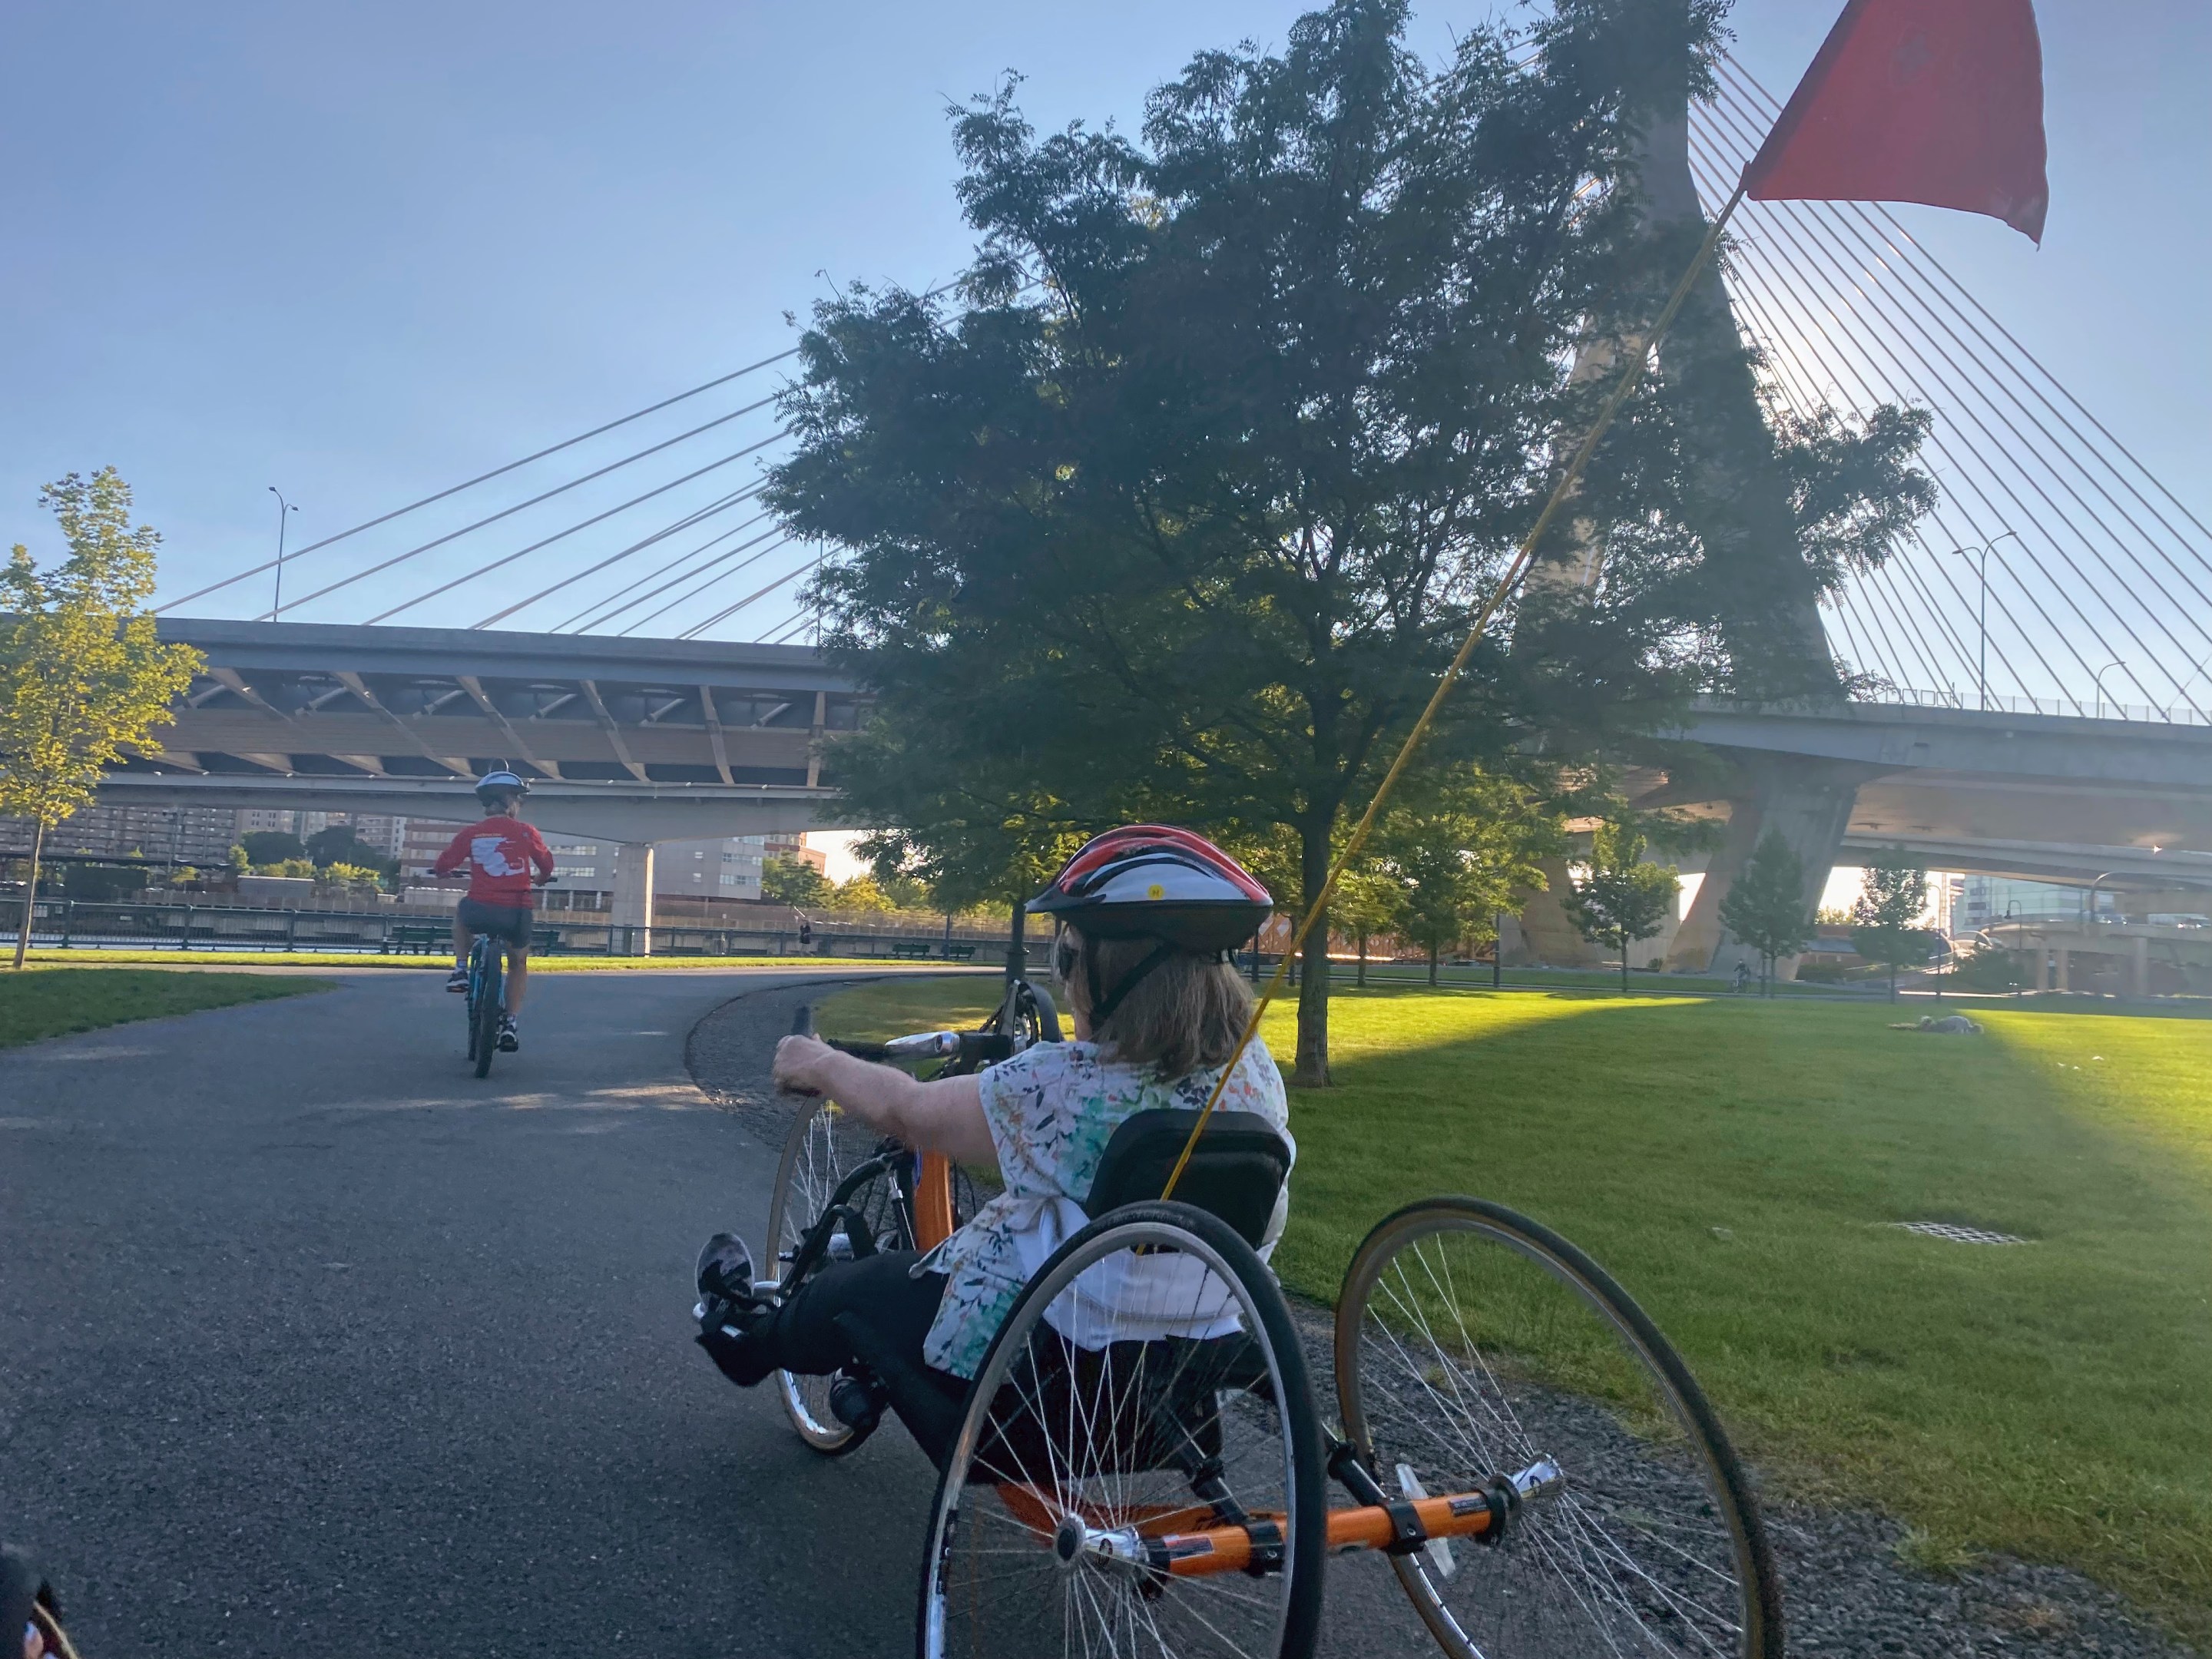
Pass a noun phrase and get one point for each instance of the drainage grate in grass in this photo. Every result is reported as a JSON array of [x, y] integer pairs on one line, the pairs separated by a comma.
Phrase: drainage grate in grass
[[1957, 1235]]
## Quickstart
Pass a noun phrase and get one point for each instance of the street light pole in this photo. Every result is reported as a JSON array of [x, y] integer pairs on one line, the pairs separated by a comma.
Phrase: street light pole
[[2101, 672], [1982, 666], [284, 510]]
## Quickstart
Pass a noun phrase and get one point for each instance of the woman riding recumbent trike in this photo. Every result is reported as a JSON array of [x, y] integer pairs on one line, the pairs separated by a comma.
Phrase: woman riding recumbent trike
[[1118, 1397]]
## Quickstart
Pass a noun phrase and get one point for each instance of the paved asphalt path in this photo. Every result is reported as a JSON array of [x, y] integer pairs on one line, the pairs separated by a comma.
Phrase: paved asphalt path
[[311, 1343]]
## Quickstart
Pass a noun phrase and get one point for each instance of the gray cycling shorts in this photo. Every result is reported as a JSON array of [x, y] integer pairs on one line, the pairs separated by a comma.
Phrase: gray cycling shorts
[[504, 921]]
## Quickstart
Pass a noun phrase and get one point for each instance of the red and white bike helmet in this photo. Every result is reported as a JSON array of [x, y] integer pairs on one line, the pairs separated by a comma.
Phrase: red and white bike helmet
[[1154, 881]]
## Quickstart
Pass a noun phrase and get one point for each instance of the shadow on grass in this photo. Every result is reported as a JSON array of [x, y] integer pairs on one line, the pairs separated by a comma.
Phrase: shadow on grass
[[1741, 1169]]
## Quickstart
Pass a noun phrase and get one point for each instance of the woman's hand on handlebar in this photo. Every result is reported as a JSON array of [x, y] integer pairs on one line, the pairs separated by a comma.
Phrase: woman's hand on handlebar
[[801, 1064]]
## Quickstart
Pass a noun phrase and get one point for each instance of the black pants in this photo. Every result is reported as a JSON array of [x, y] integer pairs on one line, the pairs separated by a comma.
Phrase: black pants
[[803, 1335]]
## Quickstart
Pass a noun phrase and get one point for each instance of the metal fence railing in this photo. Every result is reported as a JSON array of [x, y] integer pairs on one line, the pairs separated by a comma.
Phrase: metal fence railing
[[75, 924]]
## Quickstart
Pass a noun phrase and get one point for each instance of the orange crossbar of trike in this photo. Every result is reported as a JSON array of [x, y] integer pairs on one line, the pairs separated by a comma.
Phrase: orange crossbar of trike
[[1204, 1549]]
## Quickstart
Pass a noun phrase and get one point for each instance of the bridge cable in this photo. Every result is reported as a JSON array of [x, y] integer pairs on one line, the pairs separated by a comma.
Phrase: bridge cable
[[706, 586], [1919, 259], [485, 478], [1875, 295], [606, 605], [1749, 292], [688, 519], [1768, 251], [1803, 402], [1782, 294], [596, 517], [775, 531], [1881, 305], [697, 628], [547, 495]]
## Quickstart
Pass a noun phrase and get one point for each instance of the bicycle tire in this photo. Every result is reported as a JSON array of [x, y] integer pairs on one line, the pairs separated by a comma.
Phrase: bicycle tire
[[819, 1149], [491, 1002], [1003, 1589], [1474, 1355]]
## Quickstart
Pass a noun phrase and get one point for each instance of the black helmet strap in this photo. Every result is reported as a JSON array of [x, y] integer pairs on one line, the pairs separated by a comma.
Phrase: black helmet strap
[[1102, 1006]]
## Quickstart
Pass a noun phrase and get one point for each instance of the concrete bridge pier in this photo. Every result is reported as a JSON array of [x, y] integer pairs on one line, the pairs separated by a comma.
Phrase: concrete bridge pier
[[1809, 801], [632, 903]]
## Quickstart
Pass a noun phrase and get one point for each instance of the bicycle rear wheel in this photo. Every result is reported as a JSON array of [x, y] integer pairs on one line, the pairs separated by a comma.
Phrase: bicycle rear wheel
[[1471, 1342], [489, 1000], [1090, 1490]]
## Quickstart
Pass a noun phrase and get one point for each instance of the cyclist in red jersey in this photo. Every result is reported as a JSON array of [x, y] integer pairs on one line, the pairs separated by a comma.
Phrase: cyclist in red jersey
[[500, 853]]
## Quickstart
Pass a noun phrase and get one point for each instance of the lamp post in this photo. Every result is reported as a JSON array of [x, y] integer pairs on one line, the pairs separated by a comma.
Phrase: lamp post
[[1982, 666], [2101, 672], [284, 510]]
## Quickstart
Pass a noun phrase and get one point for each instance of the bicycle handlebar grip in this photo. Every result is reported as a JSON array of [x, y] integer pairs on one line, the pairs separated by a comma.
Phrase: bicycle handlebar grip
[[802, 1023]]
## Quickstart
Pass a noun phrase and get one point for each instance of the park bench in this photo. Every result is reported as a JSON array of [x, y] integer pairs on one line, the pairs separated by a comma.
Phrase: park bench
[[910, 949], [421, 938], [959, 953]]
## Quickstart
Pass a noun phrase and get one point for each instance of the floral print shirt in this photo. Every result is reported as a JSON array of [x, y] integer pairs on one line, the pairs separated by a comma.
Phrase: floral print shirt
[[1051, 1109]]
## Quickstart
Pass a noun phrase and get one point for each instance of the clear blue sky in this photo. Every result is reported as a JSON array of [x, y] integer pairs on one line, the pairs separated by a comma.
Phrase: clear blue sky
[[361, 251]]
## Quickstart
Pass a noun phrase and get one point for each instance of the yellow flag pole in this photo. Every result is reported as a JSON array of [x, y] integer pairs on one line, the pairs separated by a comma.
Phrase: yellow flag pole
[[1631, 376]]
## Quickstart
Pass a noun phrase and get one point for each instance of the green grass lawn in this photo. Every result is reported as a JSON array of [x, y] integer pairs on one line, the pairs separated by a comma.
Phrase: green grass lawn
[[1738, 1166], [43, 1002]]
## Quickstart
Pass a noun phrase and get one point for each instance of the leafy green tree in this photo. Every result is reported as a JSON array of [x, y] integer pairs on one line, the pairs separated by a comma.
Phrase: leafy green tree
[[1622, 898], [1180, 506], [341, 843], [1766, 908], [83, 675], [1460, 851], [239, 858], [343, 874], [271, 846], [1366, 903], [794, 882], [859, 893], [1892, 897]]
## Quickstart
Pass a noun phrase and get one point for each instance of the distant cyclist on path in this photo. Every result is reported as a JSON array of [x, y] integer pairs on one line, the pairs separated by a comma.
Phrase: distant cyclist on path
[[499, 852]]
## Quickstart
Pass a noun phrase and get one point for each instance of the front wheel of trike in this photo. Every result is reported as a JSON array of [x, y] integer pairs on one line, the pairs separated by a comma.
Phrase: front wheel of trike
[[1160, 1494], [1472, 1343]]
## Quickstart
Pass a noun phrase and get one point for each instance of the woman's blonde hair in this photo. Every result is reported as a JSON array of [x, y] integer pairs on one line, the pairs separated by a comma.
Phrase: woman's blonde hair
[[1184, 1016]]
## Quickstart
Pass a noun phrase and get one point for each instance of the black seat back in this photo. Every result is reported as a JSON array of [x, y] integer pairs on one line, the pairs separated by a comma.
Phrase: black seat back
[[1238, 1168]]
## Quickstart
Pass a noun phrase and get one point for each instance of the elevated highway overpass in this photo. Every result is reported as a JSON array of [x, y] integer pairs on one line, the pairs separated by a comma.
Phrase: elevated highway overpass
[[630, 740], [646, 740]]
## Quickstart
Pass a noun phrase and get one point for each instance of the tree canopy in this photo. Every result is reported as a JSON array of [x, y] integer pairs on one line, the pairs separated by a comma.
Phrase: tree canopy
[[1621, 898], [794, 882], [1177, 506], [1765, 908], [83, 676], [1892, 895]]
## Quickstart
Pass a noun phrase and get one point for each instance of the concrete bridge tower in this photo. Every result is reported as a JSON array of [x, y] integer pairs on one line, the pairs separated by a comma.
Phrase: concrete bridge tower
[[1776, 642]]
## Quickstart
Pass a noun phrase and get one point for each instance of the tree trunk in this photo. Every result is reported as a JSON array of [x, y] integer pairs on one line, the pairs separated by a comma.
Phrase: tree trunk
[[30, 890], [1624, 966], [1432, 964], [1311, 1071], [1362, 962]]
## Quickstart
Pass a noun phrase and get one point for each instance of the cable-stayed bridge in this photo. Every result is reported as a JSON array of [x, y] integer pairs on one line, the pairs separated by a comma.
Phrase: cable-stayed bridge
[[2033, 663]]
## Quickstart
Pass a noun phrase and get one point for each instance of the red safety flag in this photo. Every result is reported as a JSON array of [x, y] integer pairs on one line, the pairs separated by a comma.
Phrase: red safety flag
[[1938, 101]]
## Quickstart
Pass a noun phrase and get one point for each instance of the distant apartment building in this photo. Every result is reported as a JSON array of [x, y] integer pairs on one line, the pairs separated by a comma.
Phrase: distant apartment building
[[1979, 901], [165, 834], [386, 835]]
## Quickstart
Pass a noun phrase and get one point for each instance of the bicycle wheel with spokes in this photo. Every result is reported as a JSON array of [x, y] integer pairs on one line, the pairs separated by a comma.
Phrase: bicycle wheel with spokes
[[1471, 1342], [1091, 1488], [490, 1000], [823, 1145]]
